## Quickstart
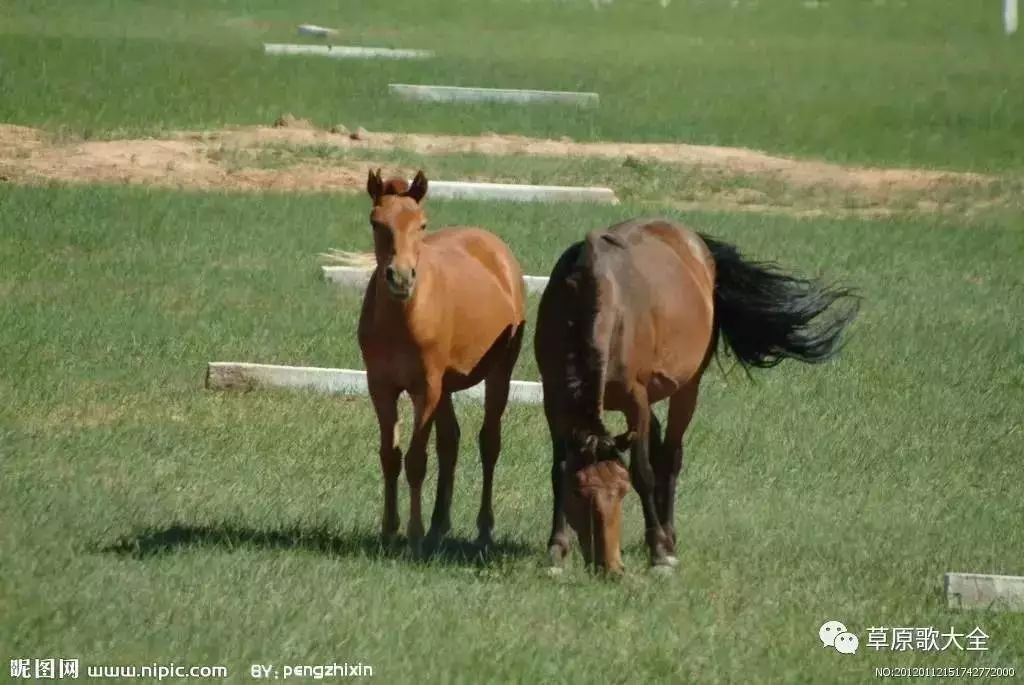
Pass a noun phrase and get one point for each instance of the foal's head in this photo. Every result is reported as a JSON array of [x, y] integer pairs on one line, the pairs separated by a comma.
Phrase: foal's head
[[598, 482], [398, 221]]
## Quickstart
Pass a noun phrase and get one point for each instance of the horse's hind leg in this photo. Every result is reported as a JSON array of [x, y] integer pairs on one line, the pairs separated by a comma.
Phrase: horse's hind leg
[[656, 445], [638, 416], [668, 461], [447, 427], [495, 400]]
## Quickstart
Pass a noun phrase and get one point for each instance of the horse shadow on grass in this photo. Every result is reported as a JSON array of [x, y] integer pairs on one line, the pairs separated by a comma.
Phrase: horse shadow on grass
[[229, 537]]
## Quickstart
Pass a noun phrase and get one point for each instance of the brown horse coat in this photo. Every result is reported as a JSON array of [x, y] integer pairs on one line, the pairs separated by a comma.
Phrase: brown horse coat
[[442, 312], [634, 321], [632, 316]]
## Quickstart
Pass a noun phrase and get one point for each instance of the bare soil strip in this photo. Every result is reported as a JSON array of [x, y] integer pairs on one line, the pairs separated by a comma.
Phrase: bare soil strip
[[190, 159]]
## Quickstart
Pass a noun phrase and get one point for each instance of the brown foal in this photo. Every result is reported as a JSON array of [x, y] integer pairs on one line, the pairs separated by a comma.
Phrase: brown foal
[[444, 310]]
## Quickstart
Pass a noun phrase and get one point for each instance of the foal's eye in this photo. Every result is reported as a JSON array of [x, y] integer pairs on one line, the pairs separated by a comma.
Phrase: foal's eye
[[423, 226]]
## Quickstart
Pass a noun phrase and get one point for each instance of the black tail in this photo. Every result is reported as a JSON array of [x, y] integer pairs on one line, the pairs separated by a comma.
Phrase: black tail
[[766, 315]]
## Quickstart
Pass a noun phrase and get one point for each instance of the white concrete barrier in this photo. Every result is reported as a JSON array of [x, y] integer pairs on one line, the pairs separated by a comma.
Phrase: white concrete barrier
[[344, 51], [516, 192], [984, 591], [519, 96], [318, 31], [357, 277], [247, 376]]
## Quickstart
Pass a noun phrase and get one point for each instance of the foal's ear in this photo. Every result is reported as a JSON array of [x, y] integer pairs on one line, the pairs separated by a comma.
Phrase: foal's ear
[[374, 186], [418, 189]]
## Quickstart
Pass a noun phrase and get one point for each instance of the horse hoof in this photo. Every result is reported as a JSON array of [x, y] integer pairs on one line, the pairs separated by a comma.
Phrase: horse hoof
[[434, 539], [484, 542], [662, 570], [416, 547], [671, 561], [556, 554], [554, 571]]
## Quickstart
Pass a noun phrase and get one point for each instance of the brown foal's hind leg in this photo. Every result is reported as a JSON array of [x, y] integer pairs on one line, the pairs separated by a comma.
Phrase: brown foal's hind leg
[[495, 400], [424, 404], [669, 461], [447, 455], [385, 404]]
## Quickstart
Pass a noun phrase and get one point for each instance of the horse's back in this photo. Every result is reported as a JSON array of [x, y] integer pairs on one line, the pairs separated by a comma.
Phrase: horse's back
[[651, 285], [472, 252], [656, 240]]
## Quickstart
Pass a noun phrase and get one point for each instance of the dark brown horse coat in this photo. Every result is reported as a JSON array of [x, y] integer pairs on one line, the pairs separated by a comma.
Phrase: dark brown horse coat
[[631, 316]]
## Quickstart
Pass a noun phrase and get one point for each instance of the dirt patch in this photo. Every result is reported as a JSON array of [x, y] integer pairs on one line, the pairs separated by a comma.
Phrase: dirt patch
[[292, 121], [724, 205], [16, 140], [733, 160], [226, 159], [179, 163]]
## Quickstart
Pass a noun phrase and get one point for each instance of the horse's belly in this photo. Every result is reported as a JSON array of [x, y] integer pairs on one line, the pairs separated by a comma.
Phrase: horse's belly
[[659, 386], [455, 381], [471, 361]]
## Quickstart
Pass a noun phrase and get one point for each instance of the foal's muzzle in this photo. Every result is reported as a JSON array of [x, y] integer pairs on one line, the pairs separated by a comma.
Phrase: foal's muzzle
[[400, 282]]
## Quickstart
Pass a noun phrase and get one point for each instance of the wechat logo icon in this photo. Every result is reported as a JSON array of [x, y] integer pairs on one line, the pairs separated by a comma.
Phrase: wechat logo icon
[[834, 634]]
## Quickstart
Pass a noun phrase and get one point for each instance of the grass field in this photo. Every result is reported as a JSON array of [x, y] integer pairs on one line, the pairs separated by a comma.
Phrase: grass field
[[144, 519], [147, 519], [917, 82]]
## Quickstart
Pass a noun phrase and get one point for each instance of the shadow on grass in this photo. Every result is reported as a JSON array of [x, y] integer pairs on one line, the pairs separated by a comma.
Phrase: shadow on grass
[[454, 551]]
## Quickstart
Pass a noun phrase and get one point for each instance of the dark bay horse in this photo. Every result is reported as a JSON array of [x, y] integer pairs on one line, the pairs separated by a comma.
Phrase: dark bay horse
[[631, 316], [444, 310]]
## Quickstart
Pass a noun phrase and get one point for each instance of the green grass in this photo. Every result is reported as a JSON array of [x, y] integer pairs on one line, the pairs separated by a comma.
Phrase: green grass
[[922, 82], [146, 520]]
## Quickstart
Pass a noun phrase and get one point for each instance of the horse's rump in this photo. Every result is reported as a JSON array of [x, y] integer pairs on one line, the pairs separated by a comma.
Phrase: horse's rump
[[630, 304]]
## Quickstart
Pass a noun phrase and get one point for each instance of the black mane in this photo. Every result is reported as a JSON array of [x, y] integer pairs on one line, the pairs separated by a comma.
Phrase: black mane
[[584, 362]]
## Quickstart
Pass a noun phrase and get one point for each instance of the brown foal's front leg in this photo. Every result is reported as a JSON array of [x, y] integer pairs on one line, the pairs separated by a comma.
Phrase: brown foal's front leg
[[385, 404], [447, 455], [424, 403]]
